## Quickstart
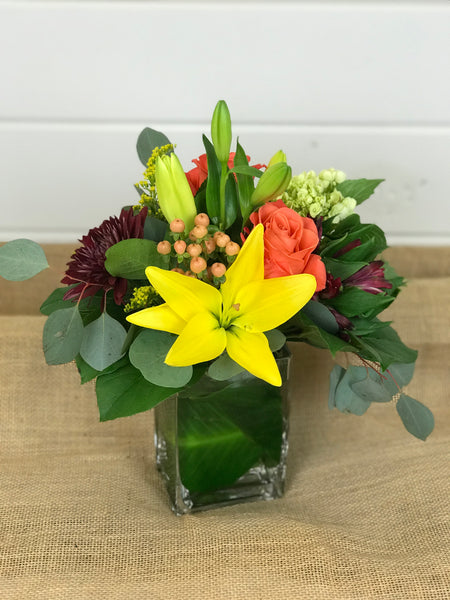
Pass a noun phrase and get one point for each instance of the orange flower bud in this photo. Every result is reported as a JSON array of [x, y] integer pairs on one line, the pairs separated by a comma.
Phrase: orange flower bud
[[177, 226], [210, 245], [164, 247], [197, 264], [222, 240], [199, 232], [194, 250], [202, 219], [180, 246], [218, 269], [231, 249]]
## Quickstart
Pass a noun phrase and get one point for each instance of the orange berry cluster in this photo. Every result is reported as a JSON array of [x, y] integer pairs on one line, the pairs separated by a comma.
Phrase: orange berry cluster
[[199, 247]]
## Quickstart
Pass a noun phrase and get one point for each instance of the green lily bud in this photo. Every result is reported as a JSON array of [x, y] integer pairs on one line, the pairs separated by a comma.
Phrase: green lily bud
[[174, 194], [221, 131], [272, 183], [279, 156]]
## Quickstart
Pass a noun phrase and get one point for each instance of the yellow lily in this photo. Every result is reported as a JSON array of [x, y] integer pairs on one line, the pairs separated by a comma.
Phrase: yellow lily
[[209, 321]]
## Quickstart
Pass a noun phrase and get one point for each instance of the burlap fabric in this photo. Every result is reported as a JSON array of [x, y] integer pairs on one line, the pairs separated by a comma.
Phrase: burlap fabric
[[365, 515]]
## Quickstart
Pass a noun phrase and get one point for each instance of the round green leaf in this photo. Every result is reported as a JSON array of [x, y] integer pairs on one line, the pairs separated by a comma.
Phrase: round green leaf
[[21, 259], [148, 353], [62, 336], [224, 367], [416, 417], [102, 342]]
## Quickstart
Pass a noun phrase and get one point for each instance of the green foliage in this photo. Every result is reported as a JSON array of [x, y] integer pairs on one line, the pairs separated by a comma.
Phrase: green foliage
[[56, 301], [129, 258], [21, 259], [353, 302], [321, 316], [154, 229], [102, 342], [244, 181], [62, 336], [148, 353], [417, 418], [213, 183], [125, 392], [147, 141], [359, 189]]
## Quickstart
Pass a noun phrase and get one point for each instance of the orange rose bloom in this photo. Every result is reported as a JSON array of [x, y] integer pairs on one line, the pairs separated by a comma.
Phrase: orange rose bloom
[[289, 242]]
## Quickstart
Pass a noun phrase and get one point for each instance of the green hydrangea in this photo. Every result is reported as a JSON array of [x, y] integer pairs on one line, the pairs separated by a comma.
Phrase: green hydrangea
[[316, 195]]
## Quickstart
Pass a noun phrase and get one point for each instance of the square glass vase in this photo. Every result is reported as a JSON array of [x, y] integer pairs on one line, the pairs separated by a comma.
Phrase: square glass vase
[[224, 442]]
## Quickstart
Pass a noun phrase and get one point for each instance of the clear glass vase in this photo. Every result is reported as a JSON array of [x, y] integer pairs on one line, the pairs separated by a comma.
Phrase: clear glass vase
[[224, 442]]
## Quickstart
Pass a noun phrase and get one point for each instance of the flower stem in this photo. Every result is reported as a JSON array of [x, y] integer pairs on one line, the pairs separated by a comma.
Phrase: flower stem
[[223, 182]]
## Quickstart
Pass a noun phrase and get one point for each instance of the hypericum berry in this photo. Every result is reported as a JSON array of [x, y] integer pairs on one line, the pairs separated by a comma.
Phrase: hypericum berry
[[178, 270], [179, 246], [194, 250], [216, 234], [164, 247], [199, 232], [222, 240], [210, 245], [231, 249], [177, 226], [197, 264], [218, 269], [190, 274], [202, 219]]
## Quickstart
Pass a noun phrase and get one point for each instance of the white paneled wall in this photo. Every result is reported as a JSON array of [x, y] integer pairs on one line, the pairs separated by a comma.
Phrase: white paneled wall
[[360, 86]]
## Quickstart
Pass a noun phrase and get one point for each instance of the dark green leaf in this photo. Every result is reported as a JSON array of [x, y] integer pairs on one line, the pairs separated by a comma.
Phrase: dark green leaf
[[62, 336], [56, 302], [148, 353], [362, 326], [342, 269], [87, 373], [147, 141], [385, 346], [129, 258], [321, 316], [246, 186], [231, 202], [359, 189], [416, 417], [213, 184], [21, 259], [354, 302], [126, 392], [246, 170], [102, 342], [154, 229]]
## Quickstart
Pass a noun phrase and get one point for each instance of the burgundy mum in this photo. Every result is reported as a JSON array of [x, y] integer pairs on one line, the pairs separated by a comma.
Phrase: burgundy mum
[[87, 267]]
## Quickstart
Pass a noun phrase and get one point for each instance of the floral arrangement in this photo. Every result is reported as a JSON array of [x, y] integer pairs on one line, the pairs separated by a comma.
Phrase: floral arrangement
[[213, 270]]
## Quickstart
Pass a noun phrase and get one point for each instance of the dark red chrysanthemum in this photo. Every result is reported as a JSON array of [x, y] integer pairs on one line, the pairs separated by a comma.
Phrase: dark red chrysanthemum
[[87, 267]]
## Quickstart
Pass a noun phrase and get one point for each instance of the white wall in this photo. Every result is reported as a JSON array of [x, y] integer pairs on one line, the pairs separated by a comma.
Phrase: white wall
[[361, 86]]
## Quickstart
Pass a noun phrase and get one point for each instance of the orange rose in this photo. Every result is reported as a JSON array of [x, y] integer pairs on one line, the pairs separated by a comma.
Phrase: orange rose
[[289, 242]]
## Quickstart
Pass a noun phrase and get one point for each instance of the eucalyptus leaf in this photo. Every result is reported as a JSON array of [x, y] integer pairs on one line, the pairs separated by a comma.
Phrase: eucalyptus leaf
[[148, 353], [276, 339], [359, 189], [102, 342], [371, 390], [346, 400], [147, 141], [126, 392], [336, 375], [21, 259], [416, 417], [224, 367], [62, 336]]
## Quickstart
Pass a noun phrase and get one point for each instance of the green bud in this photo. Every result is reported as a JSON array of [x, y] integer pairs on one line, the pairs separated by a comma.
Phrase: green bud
[[221, 131], [174, 194], [272, 183], [279, 156]]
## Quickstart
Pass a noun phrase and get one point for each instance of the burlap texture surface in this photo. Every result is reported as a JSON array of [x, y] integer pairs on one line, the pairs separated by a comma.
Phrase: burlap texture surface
[[83, 513]]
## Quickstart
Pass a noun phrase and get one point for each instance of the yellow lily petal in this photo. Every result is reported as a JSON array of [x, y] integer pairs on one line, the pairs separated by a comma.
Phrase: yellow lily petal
[[158, 317], [202, 339], [263, 305], [252, 351], [185, 295], [248, 266]]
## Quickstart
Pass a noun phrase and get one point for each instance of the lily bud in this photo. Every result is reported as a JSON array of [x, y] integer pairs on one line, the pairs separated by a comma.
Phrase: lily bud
[[272, 183], [174, 193], [221, 131], [279, 156]]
